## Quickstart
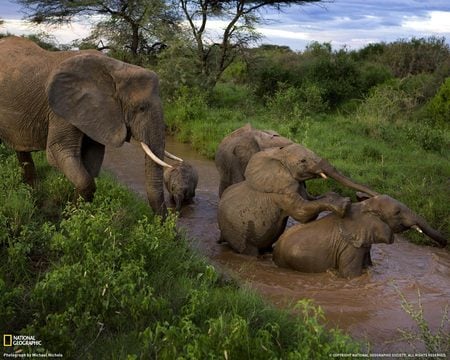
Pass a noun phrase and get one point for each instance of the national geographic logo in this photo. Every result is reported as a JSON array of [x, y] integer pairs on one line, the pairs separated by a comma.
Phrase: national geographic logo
[[7, 340], [20, 340]]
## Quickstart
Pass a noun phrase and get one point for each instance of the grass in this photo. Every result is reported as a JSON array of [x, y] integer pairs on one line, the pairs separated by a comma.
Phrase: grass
[[405, 159], [108, 280]]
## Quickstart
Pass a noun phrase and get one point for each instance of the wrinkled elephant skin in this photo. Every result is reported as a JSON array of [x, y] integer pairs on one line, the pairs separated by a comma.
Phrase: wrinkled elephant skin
[[236, 149], [74, 103], [181, 181], [344, 244], [254, 212]]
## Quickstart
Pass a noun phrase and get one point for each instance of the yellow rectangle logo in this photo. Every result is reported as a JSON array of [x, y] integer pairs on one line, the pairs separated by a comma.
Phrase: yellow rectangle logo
[[7, 340]]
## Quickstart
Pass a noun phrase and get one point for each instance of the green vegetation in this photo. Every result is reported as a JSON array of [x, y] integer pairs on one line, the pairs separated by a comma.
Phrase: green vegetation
[[435, 342], [107, 280], [390, 133]]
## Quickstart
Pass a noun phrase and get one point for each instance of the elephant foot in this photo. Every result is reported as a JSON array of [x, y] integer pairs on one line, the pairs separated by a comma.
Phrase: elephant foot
[[28, 168], [87, 193], [337, 203], [251, 250]]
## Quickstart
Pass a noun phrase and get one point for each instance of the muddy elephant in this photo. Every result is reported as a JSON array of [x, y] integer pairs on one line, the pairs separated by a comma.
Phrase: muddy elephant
[[74, 103], [344, 244], [181, 181], [236, 149], [253, 213]]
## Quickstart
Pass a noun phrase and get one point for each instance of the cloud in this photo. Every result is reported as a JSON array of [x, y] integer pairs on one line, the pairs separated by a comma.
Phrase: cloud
[[63, 34], [356, 23], [436, 22], [353, 23]]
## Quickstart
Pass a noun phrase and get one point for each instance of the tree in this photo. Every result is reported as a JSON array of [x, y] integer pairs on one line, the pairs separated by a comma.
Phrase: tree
[[128, 23], [241, 18]]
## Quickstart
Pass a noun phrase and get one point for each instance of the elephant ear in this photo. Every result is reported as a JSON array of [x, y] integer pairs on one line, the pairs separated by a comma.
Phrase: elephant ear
[[372, 228], [82, 91], [266, 173]]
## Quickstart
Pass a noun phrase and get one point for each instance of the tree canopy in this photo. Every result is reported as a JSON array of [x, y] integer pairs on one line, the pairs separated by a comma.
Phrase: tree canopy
[[140, 25], [132, 23]]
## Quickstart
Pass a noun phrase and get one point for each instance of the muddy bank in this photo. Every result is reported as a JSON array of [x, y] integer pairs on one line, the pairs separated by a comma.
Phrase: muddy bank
[[368, 307]]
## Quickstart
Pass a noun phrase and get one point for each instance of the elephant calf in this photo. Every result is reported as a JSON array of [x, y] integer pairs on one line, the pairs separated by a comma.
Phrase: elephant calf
[[344, 243], [181, 181], [252, 214]]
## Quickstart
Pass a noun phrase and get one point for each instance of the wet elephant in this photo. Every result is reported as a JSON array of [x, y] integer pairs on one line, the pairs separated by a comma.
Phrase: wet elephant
[[344, 243], [253, 213], [181, 181], [236, 149], [74, 103]]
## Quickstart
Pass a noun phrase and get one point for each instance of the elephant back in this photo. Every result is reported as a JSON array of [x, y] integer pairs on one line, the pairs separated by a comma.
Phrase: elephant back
[[247, 216]]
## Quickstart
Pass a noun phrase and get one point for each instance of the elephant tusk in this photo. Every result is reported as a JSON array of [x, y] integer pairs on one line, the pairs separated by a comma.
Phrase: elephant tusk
[[172, 156], [323, 175], [415, 227], [153, 156]]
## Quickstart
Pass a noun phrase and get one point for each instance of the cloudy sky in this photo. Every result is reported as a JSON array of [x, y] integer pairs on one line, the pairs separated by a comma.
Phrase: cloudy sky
[[353, 23]]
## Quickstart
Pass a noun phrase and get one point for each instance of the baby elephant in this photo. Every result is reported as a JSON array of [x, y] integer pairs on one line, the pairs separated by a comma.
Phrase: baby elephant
[[181, 181], [344, 243]]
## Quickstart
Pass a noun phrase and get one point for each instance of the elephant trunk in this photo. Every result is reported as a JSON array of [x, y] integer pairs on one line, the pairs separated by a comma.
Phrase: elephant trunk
[[154, 186], [329, 170], [152, 138], [430, 232]]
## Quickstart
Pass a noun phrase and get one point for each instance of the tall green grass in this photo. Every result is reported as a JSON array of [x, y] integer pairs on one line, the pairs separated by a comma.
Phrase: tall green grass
[[406, 159], [107, 280]]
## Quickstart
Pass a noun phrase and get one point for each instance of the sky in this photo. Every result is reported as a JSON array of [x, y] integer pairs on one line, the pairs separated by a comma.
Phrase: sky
[[350, 23]]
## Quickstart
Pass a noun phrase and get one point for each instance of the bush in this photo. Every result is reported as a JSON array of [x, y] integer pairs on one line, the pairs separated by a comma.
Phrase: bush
[[108, 280], [372, 74], [415, 56], [439, 107], [386, 102], [190, 104], [291, 103]]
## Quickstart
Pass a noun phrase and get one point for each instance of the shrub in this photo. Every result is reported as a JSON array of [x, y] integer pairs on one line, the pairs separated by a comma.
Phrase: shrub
[[439, 107], [415, 56], [292, 103], [437, 342], [107, 280], [372, 74], [190, 104], [337, 75], [386, 102]]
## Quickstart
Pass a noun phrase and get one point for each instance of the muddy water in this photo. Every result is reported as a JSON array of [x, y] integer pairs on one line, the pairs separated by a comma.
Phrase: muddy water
[[368, 307]]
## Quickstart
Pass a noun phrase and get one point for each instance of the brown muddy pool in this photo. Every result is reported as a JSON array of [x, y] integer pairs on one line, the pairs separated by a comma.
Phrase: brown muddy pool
[[369, 307]]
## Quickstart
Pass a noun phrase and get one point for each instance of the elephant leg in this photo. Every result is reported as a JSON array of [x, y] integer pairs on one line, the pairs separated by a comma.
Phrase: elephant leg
[[367, 260], [351, 262], [236, 177], [92, 154], [28, 168], [65, 151], [304, 211], [79, 176]]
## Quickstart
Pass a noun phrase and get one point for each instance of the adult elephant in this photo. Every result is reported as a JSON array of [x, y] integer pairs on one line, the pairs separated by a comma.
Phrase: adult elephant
[[253, 213], [344, 244], [236, 149], [74, 103]]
